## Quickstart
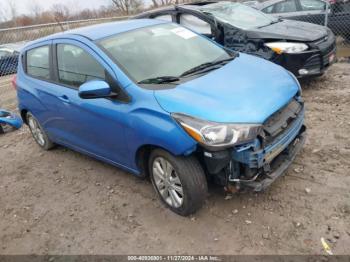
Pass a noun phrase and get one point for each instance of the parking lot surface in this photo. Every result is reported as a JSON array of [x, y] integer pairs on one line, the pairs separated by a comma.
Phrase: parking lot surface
[[62, 202]]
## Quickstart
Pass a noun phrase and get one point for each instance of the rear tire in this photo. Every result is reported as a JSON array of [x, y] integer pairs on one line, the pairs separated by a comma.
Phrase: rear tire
[[38, 133], [179, 181]]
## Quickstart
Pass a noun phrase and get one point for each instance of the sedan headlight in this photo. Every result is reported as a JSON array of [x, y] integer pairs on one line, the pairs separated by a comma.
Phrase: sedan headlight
[[218, 135], [287, 47]]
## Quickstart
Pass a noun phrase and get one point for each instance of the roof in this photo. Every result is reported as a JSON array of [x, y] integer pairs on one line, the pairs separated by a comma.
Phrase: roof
[[191, 6], [262, 5], [99, 31]]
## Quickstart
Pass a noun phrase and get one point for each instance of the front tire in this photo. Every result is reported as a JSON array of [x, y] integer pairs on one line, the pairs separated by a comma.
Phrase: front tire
[[38, 133], [180, 181]]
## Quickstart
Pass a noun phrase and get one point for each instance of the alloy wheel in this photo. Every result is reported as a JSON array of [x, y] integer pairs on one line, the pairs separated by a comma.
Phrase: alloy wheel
[[167, 182], [36, 131]]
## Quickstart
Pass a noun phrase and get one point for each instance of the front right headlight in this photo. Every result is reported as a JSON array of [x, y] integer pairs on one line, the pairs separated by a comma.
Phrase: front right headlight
[[287, 47], [217, 135]]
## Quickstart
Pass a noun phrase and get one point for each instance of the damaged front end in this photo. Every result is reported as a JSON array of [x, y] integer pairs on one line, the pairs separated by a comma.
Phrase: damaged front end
[[312, 61], [257, 164]]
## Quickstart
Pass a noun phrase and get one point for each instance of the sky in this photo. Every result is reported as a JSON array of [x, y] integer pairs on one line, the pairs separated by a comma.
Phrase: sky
[[24, 6]]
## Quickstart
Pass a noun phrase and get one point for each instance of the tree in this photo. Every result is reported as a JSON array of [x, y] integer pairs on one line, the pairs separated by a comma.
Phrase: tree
[[35, 8], [3, 15], [128, 7], [60, 12], [157, 3], [13, 11]]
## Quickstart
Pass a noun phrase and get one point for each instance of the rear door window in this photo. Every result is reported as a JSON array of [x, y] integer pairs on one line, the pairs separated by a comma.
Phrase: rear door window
[[76, 66], [312, 5], [287, 6], [38, 62]]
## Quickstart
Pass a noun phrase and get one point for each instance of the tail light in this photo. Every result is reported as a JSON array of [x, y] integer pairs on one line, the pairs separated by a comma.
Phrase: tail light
[[13, 81]]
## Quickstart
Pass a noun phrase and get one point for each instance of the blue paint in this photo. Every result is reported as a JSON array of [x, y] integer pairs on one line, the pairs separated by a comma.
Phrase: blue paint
[[247, 90], [9, 118]]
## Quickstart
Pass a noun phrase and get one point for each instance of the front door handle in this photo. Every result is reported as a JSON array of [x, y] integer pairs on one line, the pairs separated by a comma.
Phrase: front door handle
[[64, 98]]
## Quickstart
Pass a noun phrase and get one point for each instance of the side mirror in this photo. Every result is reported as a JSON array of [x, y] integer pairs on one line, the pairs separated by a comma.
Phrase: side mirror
[[95, 89]]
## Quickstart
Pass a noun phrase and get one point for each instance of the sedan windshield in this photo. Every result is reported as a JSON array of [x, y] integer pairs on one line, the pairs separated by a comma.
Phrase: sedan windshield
[[161, 53], [238, 15]]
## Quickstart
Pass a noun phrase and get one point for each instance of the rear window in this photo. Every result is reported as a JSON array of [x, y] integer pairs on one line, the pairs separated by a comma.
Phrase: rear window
[[38, 62], [285, 7]]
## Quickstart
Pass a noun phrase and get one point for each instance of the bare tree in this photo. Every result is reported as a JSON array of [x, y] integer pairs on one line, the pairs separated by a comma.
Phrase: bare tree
[[60, 12], [128, 6], [157, 3], [3, 15], [13, 11], [35, 8]]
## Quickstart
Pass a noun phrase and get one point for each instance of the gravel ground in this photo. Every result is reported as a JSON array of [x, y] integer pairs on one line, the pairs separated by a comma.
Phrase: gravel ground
[[62, 202]]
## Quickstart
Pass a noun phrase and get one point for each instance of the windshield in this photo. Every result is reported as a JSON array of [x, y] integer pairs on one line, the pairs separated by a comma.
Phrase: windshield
[[238, 15], [161, 50]]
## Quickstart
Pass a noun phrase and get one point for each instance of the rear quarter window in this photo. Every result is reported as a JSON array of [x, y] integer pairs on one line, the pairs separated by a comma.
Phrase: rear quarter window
[[38, 62]]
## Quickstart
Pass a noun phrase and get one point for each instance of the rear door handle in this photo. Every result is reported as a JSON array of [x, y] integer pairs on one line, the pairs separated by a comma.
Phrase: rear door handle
[[64, 98]]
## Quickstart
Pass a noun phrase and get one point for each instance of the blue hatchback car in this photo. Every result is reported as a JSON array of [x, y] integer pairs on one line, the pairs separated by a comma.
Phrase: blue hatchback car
[[156, 99]]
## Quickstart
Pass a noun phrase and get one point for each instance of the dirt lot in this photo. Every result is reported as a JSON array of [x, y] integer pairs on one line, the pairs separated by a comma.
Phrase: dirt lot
[[62, 202]]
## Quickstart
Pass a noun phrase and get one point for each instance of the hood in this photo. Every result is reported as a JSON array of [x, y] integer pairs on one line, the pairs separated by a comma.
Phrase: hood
[[246, 90], [290, 30]]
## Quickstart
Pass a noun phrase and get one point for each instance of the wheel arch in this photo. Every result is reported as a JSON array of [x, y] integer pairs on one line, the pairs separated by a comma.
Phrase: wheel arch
[[143, 153], [142, 156]]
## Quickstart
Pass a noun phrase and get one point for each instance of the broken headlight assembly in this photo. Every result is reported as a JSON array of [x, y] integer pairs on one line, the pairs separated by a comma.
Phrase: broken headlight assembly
[[287, 47], [217, 135]]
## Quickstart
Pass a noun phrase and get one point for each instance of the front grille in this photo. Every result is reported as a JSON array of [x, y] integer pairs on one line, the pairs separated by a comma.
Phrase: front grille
[[281, 120]]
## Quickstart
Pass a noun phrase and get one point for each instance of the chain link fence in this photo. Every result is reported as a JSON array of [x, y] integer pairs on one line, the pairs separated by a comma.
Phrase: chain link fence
[[335, 14]]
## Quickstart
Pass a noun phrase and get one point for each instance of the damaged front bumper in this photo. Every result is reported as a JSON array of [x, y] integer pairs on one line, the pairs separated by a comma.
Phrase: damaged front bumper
[[276, 167], [307, 64], [258, 164]]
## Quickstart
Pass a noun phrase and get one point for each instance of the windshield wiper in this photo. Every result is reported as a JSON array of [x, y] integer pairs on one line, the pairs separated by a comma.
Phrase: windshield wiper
[[159, 80], [206, 65], [271, 23]]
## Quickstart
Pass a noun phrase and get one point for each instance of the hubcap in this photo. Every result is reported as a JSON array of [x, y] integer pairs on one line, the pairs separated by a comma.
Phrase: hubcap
[[167, 182], [36, 131]]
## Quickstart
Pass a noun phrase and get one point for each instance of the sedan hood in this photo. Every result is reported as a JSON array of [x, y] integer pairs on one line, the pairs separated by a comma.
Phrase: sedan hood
[[246, 90], [290, 30]]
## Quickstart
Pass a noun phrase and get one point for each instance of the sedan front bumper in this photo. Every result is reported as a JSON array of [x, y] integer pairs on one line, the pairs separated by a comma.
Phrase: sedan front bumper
[[313, 62]]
